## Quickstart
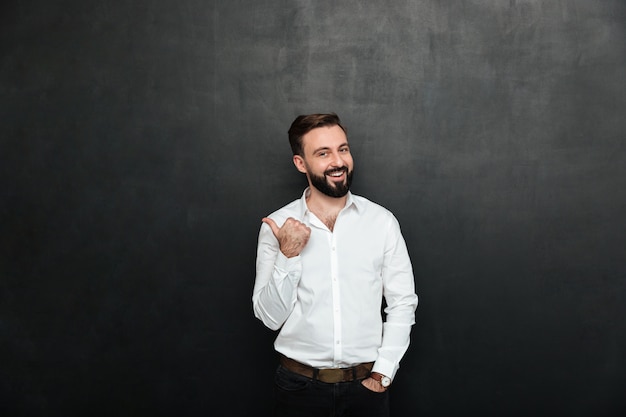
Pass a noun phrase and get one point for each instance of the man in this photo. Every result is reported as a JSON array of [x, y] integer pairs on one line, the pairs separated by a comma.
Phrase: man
[[324, 264]]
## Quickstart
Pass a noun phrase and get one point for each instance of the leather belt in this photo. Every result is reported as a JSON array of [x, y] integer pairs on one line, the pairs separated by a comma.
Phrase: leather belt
[[330, 376]]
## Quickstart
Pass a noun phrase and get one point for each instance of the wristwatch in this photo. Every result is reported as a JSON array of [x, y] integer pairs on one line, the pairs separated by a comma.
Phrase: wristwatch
[[383, 380]]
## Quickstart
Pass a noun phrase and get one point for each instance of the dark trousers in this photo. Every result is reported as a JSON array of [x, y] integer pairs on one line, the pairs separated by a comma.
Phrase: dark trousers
[[298, 396]]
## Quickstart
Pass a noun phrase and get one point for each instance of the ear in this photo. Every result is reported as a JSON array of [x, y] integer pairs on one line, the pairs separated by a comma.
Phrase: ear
[[299, 163]]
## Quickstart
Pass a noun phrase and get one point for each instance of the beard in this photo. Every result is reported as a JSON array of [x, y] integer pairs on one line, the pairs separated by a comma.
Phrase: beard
[[335, 190]]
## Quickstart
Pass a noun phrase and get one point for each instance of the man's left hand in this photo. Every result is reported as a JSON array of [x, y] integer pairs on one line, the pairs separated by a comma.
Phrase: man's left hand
[[373, 385]]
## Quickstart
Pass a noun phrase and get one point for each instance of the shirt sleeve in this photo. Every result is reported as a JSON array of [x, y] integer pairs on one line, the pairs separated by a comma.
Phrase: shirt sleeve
[[276, 283], [401, 300]]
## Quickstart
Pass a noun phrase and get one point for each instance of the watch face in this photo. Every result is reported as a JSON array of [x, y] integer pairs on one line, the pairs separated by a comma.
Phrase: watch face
[[385, 381]]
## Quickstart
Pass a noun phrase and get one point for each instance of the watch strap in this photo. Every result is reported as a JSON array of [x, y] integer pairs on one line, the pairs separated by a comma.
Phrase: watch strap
[[377, 376]]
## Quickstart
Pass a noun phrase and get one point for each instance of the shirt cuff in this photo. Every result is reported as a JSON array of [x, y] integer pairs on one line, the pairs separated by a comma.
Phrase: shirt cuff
[[385, 367], [287, 264]]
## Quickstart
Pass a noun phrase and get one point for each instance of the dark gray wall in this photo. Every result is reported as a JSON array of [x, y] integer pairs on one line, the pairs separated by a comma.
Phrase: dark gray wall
[[142, 142]]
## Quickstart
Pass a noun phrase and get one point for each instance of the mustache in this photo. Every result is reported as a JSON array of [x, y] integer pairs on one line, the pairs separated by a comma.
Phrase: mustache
[[334, 170]]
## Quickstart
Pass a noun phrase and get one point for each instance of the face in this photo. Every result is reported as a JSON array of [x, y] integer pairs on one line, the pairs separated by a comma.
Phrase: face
[[327, 161]]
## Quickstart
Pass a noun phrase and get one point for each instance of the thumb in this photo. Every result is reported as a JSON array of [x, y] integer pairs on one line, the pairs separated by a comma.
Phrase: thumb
[[272, 224]]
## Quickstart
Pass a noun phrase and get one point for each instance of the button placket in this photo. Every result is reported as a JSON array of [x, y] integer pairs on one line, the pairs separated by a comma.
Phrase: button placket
[[334, 270]]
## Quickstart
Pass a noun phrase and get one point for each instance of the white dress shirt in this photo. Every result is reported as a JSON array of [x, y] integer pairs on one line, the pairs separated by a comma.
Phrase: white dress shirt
[[327, 301]]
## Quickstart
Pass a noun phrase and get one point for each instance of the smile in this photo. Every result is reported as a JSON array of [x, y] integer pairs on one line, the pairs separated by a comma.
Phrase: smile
[[336, 173]]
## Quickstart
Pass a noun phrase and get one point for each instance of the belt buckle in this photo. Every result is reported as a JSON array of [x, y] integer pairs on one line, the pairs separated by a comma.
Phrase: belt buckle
[[331, 376]]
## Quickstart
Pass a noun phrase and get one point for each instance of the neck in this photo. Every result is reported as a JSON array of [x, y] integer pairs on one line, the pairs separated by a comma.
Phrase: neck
[[320, 202], [324, 207]]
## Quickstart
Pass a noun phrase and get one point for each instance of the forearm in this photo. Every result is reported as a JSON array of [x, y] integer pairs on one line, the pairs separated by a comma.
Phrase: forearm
[[396, 338], [274, 297]]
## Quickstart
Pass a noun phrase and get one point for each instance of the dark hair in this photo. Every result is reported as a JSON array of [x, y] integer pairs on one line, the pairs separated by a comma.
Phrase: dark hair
[[304, 123]]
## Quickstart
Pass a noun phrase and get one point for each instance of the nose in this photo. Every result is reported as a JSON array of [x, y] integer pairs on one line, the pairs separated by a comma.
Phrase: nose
[[337, 160]]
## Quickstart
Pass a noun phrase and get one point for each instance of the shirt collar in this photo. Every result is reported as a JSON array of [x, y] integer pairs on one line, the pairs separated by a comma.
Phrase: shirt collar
[[350, 201]]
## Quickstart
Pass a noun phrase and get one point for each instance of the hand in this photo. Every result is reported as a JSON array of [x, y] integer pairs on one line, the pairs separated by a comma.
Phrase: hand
[[292, 236], [373, 385]]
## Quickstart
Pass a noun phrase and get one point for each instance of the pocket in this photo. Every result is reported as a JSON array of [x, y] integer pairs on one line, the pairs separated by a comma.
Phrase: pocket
[[364, 388], [290, 381]]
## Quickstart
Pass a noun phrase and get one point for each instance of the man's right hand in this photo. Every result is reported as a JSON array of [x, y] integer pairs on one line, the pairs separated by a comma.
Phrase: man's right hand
[[292, 236]]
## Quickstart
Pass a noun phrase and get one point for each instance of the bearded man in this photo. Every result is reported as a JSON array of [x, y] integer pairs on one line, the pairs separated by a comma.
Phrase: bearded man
[[329, 264]]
